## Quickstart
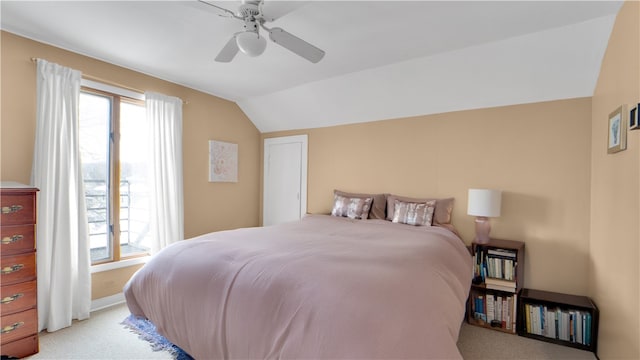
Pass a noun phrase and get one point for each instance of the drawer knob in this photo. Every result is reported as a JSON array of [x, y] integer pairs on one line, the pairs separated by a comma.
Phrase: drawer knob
[[11, 209], [10, 299], [11, 239], [10, 328], [11, 269]]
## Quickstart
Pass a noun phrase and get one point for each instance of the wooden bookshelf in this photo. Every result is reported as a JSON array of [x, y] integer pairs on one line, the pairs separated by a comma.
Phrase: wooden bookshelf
[[582, 308], [482, 304]]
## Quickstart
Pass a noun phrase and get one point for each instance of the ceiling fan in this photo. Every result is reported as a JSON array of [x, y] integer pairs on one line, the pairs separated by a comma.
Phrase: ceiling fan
[[251, 43]]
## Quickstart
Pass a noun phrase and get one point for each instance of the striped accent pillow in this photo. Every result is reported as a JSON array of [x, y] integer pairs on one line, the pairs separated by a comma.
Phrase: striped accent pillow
[[411, 213], [351, 207]]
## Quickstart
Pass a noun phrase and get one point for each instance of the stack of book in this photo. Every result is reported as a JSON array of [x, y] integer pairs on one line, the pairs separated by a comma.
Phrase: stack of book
[[568, 325], [496, 310], [496, 268], [500, 284]]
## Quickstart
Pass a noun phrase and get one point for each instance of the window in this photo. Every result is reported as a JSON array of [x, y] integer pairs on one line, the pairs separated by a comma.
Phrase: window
[[114, 153]]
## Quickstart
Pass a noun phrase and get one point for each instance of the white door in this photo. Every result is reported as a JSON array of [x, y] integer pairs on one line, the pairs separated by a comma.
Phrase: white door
[[285, 179]]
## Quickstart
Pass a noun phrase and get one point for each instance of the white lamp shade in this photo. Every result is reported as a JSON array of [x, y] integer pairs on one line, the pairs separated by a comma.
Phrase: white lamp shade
[[484, 202], [251, 43]]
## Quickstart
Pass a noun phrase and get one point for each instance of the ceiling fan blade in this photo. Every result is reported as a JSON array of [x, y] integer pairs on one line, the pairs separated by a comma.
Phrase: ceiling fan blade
[[295, 44], [273, 10], [229, 51], [208, 6]]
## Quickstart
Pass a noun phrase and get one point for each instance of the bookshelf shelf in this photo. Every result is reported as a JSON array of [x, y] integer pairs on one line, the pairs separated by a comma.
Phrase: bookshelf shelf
[[582, 308], [498, 277]]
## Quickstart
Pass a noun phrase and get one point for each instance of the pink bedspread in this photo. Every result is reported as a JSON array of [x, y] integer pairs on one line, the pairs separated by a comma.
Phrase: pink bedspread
[[323, 287]]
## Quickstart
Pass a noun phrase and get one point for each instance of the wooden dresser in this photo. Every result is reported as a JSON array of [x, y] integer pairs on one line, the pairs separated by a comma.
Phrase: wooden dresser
[[18, 301]]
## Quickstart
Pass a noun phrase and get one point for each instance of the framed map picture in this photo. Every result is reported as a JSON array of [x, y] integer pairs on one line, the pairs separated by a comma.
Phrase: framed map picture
[[617, 130], [223, 161]]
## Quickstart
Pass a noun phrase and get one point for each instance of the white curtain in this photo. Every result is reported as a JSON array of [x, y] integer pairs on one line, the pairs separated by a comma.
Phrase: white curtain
[[63, 259], [164, 114]]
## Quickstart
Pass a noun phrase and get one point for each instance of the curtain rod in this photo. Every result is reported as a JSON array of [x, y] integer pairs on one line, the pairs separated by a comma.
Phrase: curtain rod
[[109, 82]]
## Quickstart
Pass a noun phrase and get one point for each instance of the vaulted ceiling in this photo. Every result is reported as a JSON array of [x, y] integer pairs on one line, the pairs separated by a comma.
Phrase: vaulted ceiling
[[384, 59]]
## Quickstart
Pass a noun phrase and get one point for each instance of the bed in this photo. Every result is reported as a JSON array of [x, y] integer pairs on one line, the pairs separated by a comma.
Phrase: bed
[[323, 287]]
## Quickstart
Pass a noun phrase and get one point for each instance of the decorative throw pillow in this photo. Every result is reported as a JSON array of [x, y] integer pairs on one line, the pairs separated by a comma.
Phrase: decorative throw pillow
[[351, 207], [378, 206], [410, 213], [441, 215]]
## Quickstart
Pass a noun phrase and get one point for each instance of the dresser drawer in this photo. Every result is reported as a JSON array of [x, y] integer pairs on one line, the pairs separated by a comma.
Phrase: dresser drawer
[[21, 348], [18, 297], [17, 268], [18, 209], [19, 325], [17, 239]]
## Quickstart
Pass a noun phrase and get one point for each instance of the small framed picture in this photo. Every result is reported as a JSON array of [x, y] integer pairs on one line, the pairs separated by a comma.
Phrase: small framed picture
[[223, 161], [634, 124], [617, 130]]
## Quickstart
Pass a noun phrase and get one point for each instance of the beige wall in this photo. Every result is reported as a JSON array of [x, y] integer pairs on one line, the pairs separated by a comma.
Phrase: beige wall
[[615, 196], [205, 117], [538, 154]]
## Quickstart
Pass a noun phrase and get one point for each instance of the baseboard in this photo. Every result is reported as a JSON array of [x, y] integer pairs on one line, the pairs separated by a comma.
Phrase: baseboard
[[108, 301]]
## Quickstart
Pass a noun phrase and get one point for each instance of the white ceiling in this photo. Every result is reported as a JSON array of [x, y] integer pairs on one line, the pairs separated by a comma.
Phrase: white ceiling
[[384, 59]]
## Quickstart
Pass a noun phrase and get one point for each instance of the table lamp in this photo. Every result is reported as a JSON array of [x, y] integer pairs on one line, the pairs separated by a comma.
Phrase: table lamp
[[483, 204]]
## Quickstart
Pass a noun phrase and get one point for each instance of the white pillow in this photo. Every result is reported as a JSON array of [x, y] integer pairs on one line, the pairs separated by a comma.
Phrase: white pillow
[[351, 207], [411, 213]]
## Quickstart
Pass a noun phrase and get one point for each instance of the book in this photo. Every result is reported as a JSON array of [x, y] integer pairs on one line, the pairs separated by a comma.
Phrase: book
[[541, 310], [532, 319], [539, 324], [584, 328], [479, 312], [501, 288], [556, 327], [508, 270], [559, 324], [566, 323], [491, 311], [504, 315], [551, 324], [580, 327], [514, 310], [508, 312], [500, 268], [512, 270], [502, 252], [572, 324], [588, 336], [491, 268], [501, 282]]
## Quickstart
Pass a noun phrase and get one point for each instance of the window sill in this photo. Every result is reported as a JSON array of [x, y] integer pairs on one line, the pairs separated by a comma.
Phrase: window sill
[[119, 264]]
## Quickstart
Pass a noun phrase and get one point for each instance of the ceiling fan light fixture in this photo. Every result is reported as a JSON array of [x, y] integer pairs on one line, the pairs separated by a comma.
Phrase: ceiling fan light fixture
[[251, 43]]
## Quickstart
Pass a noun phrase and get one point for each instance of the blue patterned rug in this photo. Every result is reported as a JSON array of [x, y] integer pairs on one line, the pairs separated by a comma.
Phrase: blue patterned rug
[[147, 332]]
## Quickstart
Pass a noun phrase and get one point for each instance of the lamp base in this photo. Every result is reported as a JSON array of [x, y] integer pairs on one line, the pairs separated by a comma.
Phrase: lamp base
[[483, 227]]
